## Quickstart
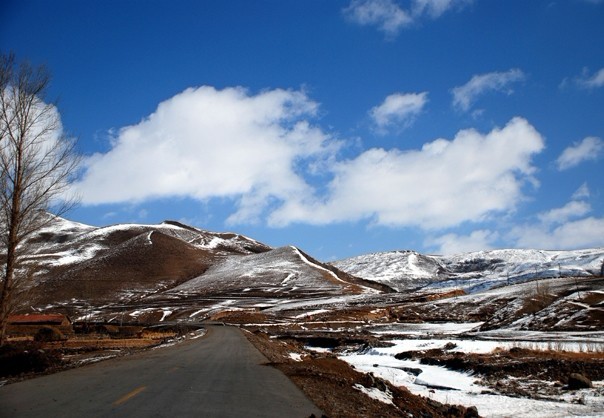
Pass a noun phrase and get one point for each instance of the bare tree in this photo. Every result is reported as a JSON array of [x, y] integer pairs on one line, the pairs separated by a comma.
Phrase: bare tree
[[37, 164]]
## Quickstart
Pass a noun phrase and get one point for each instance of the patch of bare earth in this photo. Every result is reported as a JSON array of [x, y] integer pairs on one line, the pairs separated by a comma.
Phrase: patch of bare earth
[[330, 384]]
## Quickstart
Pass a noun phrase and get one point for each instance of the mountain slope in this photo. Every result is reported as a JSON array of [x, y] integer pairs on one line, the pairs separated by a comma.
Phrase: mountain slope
[[76, 262], [141, 265], [152, 265], [399, 270], [282, 271], [407, 270]]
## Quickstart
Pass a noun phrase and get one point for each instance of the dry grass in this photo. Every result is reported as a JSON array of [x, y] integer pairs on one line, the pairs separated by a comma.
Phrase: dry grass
[[540, 298], [579, 350], [105, 343]]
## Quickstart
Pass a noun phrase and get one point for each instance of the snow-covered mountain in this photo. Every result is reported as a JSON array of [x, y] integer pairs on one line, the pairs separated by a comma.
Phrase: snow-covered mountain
[[409, 270], [284, 270], [76, 265], [172, 267]]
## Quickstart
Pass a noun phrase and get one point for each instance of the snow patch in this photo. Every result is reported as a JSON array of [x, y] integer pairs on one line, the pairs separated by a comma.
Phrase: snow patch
[[295, 356], [375, 393], [166, 313]]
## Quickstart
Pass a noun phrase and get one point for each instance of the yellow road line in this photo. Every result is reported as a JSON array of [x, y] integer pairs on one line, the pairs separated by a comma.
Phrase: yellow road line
[[129, 395]]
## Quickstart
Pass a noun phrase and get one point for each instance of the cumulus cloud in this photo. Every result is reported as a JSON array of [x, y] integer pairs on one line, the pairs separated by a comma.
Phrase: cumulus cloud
[[465, 96], [582, 233], [589, 148], [563, 228], [573, 209], [206, 143], [398, 109], [454, 244], [444, 184], [390, 17]]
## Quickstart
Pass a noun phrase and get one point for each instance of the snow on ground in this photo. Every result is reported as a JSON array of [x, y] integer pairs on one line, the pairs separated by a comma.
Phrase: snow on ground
[[582, 340], [375, 393], [455, 387], [194, 314], [425, 328], [399, 270], [311, 313], [476, 271], [295, 356], [452, 387], [197, 334], [165, 313], [488, 346], [314, 265], [282, 270]]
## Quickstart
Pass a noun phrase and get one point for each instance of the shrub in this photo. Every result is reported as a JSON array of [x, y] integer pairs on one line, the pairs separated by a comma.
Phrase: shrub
[[47, 334], [18, 360], [539, 299]]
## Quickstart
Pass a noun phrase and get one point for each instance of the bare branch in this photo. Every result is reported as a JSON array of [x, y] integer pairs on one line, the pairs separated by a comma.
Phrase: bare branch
[[37, 163]]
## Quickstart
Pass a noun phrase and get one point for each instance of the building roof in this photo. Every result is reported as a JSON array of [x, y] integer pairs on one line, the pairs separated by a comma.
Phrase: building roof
[[37, 319]]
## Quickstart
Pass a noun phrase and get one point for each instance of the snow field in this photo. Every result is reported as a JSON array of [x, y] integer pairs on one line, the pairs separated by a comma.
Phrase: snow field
[[453, 387]]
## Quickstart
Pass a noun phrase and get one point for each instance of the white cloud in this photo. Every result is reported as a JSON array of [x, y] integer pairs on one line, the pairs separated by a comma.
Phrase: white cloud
[[573, 209], [205, 143], [390, 18], [385, 14], [434, 8], [582, 233], [464, 96], [444, 184], [399, 109], [594, 81], [582, 192], [560, 228], [454, 244], [585, 80], [589, 148]]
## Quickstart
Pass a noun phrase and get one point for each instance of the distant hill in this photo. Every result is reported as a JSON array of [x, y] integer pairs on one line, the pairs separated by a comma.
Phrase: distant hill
[[474, 271]]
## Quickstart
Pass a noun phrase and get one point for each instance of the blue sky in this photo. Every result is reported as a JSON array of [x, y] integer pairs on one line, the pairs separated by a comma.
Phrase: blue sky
[[342, 127]]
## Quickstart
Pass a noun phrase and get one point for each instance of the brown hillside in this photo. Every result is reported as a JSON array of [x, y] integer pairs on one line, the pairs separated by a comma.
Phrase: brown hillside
[[140, 265]]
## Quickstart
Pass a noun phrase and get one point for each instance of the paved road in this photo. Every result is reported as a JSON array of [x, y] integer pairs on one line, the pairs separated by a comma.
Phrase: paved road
[[220, 375]]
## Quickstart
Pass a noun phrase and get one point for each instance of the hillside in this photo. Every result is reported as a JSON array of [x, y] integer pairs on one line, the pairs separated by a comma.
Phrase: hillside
[[473, 272], [174, 271], [131, 267]]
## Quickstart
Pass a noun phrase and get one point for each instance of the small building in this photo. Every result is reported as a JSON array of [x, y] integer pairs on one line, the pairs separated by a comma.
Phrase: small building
[[30, 324]]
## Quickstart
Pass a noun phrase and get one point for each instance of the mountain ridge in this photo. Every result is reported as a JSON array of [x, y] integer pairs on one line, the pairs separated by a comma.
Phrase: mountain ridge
[[473, 271], [79, 265], [173, 267]]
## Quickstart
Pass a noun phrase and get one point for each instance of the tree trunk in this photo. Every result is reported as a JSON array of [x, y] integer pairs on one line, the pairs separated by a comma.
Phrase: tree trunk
[[5, 308], [11, 260]]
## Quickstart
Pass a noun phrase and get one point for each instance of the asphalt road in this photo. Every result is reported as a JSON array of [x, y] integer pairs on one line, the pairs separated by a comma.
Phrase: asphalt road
[[219, 375]]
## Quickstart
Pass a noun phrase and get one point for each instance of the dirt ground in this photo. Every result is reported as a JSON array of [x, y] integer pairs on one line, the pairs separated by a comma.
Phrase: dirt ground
[[330, 382], [521, 372]]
